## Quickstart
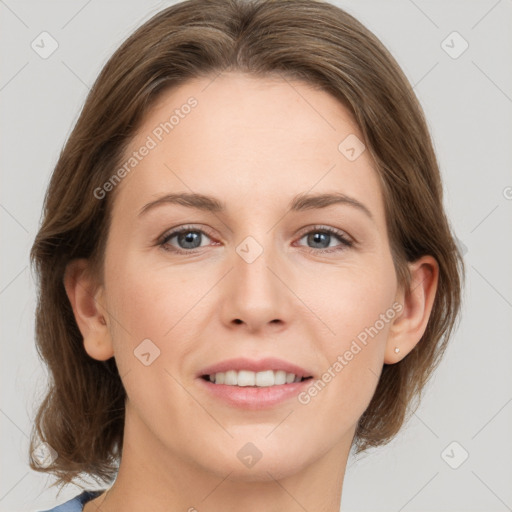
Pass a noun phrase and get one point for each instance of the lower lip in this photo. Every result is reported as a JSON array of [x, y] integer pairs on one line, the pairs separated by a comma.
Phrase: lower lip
[[247, 397]]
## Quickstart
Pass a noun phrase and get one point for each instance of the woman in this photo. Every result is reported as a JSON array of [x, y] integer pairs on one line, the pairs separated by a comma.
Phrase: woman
[[245, 265]]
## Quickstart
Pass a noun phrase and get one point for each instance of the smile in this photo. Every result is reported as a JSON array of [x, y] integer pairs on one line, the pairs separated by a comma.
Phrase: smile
[[245, 378]]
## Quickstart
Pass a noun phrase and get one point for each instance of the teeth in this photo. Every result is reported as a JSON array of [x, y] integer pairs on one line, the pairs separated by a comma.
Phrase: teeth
[[246, 378], [263, 379]]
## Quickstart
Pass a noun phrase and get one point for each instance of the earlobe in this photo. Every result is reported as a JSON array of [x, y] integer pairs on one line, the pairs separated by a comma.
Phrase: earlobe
[[86, 298], [408, 328]]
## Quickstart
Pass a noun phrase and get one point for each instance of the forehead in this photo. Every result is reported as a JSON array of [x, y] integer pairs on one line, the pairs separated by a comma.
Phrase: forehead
[[241, 137]]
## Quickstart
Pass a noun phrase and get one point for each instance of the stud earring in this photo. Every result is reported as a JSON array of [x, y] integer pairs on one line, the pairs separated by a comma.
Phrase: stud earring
[[397, 350]]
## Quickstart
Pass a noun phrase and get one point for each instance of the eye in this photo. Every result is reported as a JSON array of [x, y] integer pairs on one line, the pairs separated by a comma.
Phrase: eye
[[187, 238], [321, 237]]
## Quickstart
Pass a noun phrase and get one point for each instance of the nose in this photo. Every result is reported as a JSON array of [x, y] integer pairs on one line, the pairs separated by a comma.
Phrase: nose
[[255, 293]]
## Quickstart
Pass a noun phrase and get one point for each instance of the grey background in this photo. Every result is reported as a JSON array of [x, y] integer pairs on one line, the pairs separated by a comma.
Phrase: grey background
[[468, 104]]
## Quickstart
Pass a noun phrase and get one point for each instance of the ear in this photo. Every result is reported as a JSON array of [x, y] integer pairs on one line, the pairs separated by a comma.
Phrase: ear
[[417, 301], [86, 298]]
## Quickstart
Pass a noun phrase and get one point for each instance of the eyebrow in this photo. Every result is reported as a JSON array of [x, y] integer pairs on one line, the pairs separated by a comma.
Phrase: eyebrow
[[299, 203]]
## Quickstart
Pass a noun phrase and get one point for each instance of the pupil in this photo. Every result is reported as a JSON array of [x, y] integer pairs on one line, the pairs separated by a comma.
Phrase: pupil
[[189, 238], [317, 239]]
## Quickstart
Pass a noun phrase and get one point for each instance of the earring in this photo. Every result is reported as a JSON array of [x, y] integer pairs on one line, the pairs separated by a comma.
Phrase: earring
[[397, 350]]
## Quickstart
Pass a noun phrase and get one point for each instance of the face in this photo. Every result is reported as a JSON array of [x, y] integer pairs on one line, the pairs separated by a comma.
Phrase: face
[[258, 273]]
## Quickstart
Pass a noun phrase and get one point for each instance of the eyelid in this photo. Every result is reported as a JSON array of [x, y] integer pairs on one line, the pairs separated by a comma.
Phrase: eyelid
[[182, 227], [329, 229], [172, 232]]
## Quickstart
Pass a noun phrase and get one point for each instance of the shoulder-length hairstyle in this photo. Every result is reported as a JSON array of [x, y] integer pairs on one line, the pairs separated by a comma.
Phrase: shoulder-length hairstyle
[[82, 414]]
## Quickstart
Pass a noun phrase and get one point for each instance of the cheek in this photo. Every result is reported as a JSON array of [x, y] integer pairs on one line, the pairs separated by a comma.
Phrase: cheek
[[148, 314], [356, 310], [149, 299], [349, 300], [160, 304], [363, 329]]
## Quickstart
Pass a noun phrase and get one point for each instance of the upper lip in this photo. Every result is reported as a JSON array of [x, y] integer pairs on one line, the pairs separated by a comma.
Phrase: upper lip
[[268, 363]]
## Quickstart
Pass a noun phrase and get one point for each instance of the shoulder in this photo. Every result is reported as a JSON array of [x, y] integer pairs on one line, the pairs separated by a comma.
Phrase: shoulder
[[77, 503]]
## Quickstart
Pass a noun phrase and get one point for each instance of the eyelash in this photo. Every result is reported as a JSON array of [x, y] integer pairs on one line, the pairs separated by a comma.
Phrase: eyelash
[[345, 242]]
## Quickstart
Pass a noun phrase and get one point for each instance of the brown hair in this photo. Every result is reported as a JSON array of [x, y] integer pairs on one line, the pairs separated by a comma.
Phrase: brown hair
[[82, 415]]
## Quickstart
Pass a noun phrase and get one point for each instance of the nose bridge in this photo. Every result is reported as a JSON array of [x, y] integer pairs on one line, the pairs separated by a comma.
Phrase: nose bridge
[[254, 255], [256, 295]]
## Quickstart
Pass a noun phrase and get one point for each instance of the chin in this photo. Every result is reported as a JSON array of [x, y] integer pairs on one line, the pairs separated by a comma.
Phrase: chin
[[251, 464]]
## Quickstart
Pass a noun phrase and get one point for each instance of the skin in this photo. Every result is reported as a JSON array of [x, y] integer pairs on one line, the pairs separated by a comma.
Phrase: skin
[[254, 144]]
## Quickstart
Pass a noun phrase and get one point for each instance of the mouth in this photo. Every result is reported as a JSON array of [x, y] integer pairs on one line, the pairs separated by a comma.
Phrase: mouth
[[244, 372], [254, 384], [247, 378]]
